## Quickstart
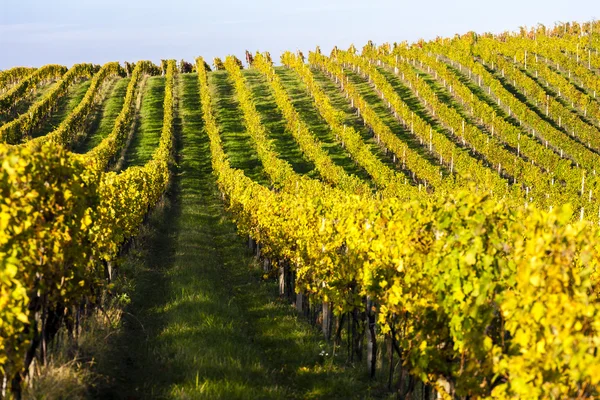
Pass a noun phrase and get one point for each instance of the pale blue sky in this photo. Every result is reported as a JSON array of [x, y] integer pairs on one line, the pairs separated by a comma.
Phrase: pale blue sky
[[37, 32]]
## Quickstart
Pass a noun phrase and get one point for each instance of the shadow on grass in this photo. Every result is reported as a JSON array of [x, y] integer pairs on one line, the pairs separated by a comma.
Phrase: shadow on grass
[[65, 105], [147, 133], [304, 104], [202, 323], [105, 115], [273, 120], [237, 143]]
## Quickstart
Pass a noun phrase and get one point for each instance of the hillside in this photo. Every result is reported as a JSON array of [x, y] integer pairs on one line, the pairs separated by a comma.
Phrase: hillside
[[414, 220]]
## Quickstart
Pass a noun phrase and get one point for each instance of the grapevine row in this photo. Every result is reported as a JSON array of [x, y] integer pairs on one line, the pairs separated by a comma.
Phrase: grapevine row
[[410, 158], [537, 184], [559, 168], [457, 159], [27, 85], [66, 133], [566, 120], [387, 179], [54, 265], [280, 171], [19, 129], [538, 127], [110, 147], [459, 306], [553, 56], [583, 102], [13, 76], [309, 145]]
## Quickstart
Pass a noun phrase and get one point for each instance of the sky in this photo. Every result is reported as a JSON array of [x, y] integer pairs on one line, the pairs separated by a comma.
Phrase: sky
[[38, 32]]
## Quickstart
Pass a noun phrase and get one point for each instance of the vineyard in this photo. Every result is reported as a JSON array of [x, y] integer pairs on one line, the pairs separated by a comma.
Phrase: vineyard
[[427, 213]]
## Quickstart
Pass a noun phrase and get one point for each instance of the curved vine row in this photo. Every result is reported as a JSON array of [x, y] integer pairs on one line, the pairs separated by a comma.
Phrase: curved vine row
[[410, 159], [456, 301], [48, 72], [61, 227], [76, 121], [13, 76], [101, 156], [18, 130], [390, 181], [309, 145]]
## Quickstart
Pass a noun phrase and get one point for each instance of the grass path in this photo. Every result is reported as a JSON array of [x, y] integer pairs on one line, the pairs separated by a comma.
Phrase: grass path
[[339, 101], [305, 106], [25, 103], [380, 107], [237, 143], [284, 143], [65, 105], [147, 132], [202, 323], [106, 115]]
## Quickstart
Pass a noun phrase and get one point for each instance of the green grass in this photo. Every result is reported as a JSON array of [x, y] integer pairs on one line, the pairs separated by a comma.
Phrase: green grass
[[65, 105], [146, 135], [107, 113], [305, 106], [529, 102], [445, 96], [283, 141], [380, 107], [237, 143], [484, 96], [26, 102], [339, 101], [408, 96], [202, 323], [554, 93]]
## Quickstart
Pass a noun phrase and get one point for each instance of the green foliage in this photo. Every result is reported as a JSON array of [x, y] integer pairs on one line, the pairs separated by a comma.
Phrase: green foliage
[[101, 156], [448, 275], [485, 294], [26, 80], [47, 206], [218, 64], [61, 220], [76, 121]]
